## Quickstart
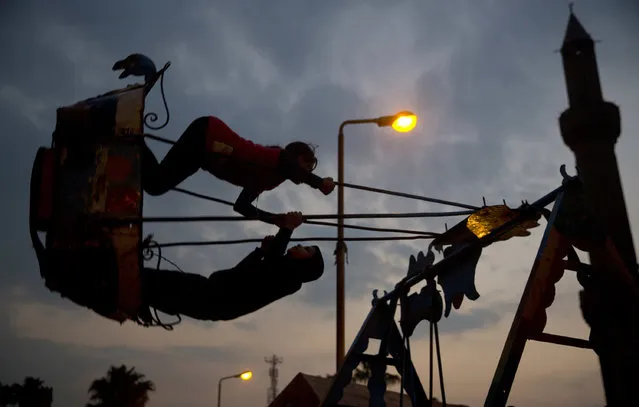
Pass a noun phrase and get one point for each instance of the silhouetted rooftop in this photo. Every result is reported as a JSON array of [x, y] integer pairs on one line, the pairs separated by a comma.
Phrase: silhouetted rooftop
[[297, 394]]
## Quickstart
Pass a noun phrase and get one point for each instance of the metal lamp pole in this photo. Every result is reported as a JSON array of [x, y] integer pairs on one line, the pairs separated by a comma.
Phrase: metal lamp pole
[[340, 248], [244, 376]]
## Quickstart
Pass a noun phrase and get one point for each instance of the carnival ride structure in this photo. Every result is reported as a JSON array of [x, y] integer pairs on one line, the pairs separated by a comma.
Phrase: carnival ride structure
[[86, 197]]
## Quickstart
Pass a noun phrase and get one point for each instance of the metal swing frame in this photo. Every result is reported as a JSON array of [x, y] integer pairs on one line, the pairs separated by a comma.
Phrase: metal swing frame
[[89, 176]]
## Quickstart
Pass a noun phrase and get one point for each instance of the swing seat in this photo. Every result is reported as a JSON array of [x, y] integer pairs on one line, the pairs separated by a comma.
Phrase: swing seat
[[89, 177]]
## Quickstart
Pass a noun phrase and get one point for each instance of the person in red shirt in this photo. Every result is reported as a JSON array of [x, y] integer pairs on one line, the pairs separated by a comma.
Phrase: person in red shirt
[[210, 144]]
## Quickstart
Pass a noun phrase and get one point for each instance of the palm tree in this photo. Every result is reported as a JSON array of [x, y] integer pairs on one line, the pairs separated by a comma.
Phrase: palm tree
[[31, 393], [363, 372], [121, 387], [7, 395]]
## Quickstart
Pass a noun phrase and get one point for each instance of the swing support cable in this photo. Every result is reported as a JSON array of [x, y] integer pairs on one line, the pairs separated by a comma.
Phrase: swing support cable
[[411, 196], [302, 239], [344, 184], [372, 229], [173, 219], [311, 222]]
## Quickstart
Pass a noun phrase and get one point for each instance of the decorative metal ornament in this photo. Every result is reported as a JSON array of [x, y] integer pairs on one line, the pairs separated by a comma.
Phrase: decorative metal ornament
[[487, 219], [419, 264], [459, 279], [427, 305], [141, 65]]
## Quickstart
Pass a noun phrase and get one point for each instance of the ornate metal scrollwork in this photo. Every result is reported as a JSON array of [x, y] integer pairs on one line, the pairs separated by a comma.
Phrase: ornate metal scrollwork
[[141, 65], [152, 116], [147, 246]]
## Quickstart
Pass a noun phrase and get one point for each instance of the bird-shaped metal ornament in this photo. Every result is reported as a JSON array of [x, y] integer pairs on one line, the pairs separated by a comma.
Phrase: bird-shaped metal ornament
[[136, 65], [419, 264], [458, 280], [427, 305]]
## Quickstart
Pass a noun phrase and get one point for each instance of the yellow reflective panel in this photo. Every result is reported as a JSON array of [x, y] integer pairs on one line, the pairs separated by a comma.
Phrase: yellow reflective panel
[[487, 219]]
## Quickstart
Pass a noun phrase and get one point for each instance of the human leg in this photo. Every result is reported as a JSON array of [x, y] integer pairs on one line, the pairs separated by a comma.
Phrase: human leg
[[184, 159], [239, 292], [174, 292], [225, 295]]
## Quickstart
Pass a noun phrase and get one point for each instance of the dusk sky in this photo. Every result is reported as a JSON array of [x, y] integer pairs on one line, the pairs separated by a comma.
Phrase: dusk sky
[[487, 84]]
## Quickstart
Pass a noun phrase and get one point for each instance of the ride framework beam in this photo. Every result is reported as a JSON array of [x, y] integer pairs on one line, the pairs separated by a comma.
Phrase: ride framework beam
[[442, 266]]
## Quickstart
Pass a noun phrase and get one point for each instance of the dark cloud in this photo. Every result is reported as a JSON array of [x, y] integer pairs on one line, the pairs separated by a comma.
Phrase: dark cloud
[[499, 88]]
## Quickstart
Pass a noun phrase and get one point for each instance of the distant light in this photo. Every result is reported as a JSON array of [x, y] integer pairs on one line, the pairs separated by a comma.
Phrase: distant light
[[246, 375]]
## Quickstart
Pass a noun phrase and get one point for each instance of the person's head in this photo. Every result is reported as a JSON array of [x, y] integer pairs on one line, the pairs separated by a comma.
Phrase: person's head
[[304, 153], [307, 261]]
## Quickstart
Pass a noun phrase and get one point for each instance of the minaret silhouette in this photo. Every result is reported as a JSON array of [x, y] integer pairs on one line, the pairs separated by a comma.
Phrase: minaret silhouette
[[590, 127]]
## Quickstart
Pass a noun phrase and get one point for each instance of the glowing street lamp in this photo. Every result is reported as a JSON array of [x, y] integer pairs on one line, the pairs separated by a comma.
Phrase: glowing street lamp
[[246, 375], [402, 122]]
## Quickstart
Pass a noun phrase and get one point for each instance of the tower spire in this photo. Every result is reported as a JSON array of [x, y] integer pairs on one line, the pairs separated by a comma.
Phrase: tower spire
[[575, 31], [580, 65]]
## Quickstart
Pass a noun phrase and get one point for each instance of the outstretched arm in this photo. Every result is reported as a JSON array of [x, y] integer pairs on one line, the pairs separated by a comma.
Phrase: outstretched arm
[[289, 168], [244, 206], [272, 247], [250, 287]]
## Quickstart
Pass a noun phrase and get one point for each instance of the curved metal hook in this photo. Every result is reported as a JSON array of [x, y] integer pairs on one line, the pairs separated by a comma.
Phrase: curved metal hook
[[147, 246], [564, 174], [152, 116]]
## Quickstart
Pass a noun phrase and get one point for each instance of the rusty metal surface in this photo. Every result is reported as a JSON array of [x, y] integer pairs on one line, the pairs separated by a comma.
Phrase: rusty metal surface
[[99, 177]]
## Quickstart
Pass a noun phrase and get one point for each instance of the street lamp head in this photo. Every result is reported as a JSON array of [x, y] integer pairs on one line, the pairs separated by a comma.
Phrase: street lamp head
[[402, 122], [246, 375]]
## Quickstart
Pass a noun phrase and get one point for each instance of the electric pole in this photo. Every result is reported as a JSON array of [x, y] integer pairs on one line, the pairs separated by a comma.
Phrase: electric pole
[[273, 373]]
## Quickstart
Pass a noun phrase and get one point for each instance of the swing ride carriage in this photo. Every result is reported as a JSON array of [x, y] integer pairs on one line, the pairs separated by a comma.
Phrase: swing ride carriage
[[86, 197]]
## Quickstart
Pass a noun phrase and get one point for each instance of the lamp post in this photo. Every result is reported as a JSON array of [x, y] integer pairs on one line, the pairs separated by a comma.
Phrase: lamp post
[[401, 122], [244, 376]]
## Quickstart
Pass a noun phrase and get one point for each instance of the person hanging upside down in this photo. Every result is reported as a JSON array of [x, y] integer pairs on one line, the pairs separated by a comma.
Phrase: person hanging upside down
[[209, 144], [269, 273]]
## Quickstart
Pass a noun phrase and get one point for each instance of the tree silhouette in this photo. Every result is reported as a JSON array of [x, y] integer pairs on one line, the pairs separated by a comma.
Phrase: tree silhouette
[[363, 372], [8, 394], [121, 387], [31, 393]]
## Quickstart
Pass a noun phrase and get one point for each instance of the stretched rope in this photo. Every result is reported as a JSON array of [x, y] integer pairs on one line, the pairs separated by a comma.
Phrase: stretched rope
[[368, 228], [411, 196], [302, 239], [414, 232], [167, 219], [348, 185]]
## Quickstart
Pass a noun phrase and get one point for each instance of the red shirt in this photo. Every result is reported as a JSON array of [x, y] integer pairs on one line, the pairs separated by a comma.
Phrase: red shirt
[[239, 161]]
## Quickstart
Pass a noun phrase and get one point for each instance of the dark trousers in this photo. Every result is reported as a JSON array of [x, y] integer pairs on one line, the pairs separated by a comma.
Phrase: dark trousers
[[224, 295], [183, 160]]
